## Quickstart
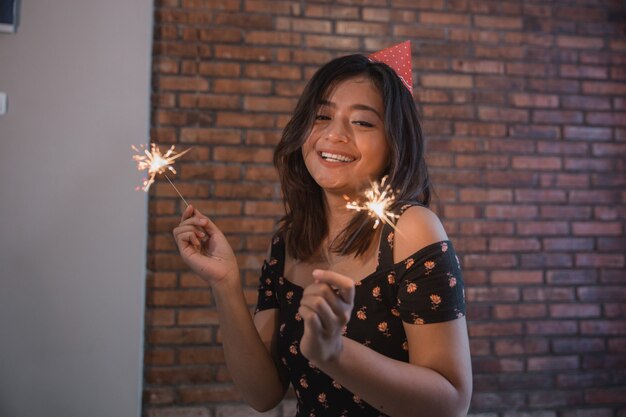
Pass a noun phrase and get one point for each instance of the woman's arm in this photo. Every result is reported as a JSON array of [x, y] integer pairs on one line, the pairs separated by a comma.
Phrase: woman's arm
[[437, 380], [249, 346]]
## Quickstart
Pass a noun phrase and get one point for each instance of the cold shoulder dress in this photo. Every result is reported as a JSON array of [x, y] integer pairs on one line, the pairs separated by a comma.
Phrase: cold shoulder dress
[[426, 287]]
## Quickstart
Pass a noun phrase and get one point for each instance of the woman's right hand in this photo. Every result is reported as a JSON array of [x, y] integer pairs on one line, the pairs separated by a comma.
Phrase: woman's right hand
[[204, 248]]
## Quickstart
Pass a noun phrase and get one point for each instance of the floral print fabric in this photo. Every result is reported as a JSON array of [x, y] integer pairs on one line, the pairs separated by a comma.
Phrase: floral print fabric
[[426, 287]]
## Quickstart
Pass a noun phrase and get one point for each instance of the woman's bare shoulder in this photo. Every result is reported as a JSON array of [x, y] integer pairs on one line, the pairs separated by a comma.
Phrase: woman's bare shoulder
[[416, 228]]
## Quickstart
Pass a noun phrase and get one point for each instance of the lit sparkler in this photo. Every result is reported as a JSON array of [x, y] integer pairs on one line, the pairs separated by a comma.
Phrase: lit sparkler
[[156, 163], [379, 199]]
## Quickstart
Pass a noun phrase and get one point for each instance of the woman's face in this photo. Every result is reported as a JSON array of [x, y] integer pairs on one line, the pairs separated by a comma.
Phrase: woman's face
[[347, 146]]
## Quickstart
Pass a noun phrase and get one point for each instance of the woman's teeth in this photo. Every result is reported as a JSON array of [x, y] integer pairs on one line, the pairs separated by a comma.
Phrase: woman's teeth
[[333, 157]]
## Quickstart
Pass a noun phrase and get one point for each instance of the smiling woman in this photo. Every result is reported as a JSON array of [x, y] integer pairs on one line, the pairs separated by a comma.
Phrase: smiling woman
[[362, 321]]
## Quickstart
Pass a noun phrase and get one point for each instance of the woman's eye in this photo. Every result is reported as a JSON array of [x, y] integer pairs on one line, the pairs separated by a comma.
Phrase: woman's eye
[[363, 123], [322, 117]]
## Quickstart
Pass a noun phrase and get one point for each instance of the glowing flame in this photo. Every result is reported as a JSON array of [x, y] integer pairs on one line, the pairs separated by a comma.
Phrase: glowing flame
[[378, 201], [155, 162]]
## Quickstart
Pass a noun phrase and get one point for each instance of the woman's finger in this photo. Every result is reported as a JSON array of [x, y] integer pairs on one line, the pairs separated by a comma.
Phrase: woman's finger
[[311, 319], [189, 211], [328, 318], [343, 284], [331, 296]]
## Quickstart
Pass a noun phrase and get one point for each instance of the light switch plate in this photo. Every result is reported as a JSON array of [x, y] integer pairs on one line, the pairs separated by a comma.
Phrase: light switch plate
[[3, 103]]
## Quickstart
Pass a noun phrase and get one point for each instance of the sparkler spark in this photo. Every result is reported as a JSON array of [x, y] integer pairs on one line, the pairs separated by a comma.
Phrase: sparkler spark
[[156, 163], [379, 199]]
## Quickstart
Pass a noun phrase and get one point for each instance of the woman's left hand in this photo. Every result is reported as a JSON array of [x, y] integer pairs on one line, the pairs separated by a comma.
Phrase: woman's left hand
[[326, 307]]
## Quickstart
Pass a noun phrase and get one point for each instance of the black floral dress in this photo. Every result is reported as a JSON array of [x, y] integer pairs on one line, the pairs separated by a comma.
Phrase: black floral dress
[[426, 287]]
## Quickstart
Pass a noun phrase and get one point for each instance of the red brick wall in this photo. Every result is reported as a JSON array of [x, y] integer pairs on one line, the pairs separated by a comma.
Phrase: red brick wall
[[523, 105]]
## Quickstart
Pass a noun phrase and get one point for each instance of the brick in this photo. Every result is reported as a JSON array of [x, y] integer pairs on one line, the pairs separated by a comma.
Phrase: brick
[[324, 10], [548, 294], [493, 401], [499, 22], [495, 329], [164, 298], [600, 260], [445, 81], [586, 102], [515, 277], [487, 228], [597, 228], [516, 346], [574, 310], [493, 365], [273, 38], [245, 53], [603, 88], [546, 260], [422, 32], [510, 178], [540, 196], [179, 336], [568, 244], [454, 112], [158, 396], [283, 72], [506, 312], [606, 118], [565, 180], [493, 260], [556, 363], [497, 114], [479, 129], [209, 394], [513, 245], [482, 161], [245, 21], [492, 294], [332, 42], [578, 345], [606, 293], [606, 395], [554, 398], [551, 327], [511, 211], [542, 228], [251, 120], [197, 317], [537, 162], [277, 7], [267, 104], [183, 84], [159, 356], [583, 71], [208, 101], [445, 19], [579, 42], [173, 376], [160, 317], [534, 100], [241, 86]]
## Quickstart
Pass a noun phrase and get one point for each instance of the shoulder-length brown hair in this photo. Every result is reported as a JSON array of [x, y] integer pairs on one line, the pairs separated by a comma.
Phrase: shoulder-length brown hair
[[304, 225]]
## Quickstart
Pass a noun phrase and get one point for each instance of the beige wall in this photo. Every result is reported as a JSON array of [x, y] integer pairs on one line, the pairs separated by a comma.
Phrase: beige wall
[[72, 236]]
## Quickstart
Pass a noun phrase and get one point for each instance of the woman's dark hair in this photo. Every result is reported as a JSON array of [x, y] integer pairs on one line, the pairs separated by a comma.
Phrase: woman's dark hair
[[304, 225]]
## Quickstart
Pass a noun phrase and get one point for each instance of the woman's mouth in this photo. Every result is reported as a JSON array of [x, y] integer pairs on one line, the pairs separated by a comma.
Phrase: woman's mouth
[[334, 157]]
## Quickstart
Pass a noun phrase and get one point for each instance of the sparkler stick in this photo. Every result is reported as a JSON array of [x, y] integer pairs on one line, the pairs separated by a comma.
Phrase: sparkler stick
[[157, 163]]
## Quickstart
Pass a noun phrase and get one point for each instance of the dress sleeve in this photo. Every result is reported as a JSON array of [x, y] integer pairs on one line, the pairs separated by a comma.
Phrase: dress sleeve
[[267, 293], [431, 288], [267, 297]]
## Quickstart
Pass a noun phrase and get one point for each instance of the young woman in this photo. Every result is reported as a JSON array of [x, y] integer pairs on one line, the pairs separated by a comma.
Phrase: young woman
[[362, 321]]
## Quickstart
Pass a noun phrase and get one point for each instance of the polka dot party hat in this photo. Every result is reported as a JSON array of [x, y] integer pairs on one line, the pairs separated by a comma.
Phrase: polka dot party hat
[[398, 57]]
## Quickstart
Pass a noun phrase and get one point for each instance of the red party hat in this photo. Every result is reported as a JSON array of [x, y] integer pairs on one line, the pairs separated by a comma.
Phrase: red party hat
[[398, 57]]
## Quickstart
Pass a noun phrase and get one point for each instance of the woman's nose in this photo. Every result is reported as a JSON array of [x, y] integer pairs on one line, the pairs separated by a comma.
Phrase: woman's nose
[[338, 131]]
